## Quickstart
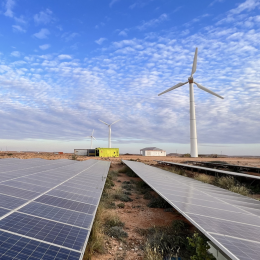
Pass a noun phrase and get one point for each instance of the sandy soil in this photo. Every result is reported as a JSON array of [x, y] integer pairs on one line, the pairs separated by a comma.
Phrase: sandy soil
[[247, 161]]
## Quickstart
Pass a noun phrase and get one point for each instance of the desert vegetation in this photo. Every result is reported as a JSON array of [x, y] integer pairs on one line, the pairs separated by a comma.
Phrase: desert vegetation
[[124, 191]]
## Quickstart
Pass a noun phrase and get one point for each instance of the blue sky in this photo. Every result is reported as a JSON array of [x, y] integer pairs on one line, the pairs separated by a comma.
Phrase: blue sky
[[66, 64]]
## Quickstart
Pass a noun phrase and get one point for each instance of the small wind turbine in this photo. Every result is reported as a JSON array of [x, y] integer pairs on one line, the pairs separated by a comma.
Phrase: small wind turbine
[[92, 137], [193, 130], [109, 131]]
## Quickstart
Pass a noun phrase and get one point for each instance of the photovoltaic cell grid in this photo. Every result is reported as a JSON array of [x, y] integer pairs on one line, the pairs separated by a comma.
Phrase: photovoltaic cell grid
[[231, 221], [48, 213], [213, 170]]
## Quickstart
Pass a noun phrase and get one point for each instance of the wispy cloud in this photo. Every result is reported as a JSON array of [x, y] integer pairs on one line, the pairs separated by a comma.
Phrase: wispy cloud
[[216, 1], [123, 32], [64, 57], [42, 34], [45, 46], [100, 41], [9, 5], [153, 22], [44, 17], [50, 93], [18, 28], [113, 2], [15, 54], [248, 5], [69, 36]]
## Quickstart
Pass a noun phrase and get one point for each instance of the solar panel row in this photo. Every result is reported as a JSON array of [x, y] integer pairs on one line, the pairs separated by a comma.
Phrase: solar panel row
[[231, 221], [47, 208], [211, 170]]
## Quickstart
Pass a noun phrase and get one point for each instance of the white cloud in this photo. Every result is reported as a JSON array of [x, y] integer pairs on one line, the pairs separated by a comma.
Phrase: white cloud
[[123, 80], [69, 36], [113, 2], [42, 34], [123, 32], [248, 5], [64, 57], [100, 41], [9, 8], [216, 1], [153, 22], [43, 17], [20, 20], [45, 46], [15, 54], [18, 28]]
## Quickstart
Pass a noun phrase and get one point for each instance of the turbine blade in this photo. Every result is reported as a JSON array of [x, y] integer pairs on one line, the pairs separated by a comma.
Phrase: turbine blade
[[194, 66], [93, 132], [115, 121], [94, 138], [88, 136], [207, 90], [103, 122], [174, 87]]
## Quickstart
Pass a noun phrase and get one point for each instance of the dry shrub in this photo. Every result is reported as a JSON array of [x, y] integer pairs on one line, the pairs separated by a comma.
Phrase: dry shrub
[[111, 219], [231, 184], [152, 253], [226, 182], [96, 238], [204, 178], [240, 189]]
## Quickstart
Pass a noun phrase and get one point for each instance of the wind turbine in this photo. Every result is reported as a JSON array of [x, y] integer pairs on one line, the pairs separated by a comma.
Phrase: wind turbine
[[109, 131], [92, 137], [193, 130]]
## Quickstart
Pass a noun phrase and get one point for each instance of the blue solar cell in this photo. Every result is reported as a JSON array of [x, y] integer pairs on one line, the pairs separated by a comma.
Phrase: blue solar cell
[[17, 247], [16, 192], [72, 196], [45, 230], [25, 186], [58, 214], [3, 211], [67, 204], [10, 202]]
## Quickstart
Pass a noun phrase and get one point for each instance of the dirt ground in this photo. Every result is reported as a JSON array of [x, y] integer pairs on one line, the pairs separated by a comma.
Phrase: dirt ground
[[246, 161], [135, 215]]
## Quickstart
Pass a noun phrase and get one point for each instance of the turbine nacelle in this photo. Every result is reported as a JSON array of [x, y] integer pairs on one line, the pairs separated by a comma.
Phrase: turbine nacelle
[[190, 80]]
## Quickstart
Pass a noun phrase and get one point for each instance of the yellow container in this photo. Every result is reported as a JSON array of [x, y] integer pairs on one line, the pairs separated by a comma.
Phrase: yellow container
[[107, 152]]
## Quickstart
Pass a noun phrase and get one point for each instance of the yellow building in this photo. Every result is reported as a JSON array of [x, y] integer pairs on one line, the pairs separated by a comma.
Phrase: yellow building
[[107, 152]]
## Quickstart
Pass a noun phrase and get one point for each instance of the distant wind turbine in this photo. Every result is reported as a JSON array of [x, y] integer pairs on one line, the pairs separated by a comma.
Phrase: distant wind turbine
[[109, 131], [92, 137], [193, 130]]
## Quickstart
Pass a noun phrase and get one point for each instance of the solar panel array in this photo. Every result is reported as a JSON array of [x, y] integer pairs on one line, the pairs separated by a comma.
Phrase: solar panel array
[[231, 221], [47, 208], [212, 170]]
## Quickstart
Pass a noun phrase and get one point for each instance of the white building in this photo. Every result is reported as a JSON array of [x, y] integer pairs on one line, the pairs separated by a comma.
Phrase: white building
[[152, 151]]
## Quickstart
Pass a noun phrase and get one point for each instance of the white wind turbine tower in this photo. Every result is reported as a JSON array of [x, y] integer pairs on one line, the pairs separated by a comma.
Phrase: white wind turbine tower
[[109, 131], [92, 137], [193, 130]]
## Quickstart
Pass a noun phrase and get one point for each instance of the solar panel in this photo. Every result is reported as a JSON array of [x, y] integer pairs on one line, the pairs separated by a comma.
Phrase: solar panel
[[231, 221], [17, 247], [40, 221], [212, 170]]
